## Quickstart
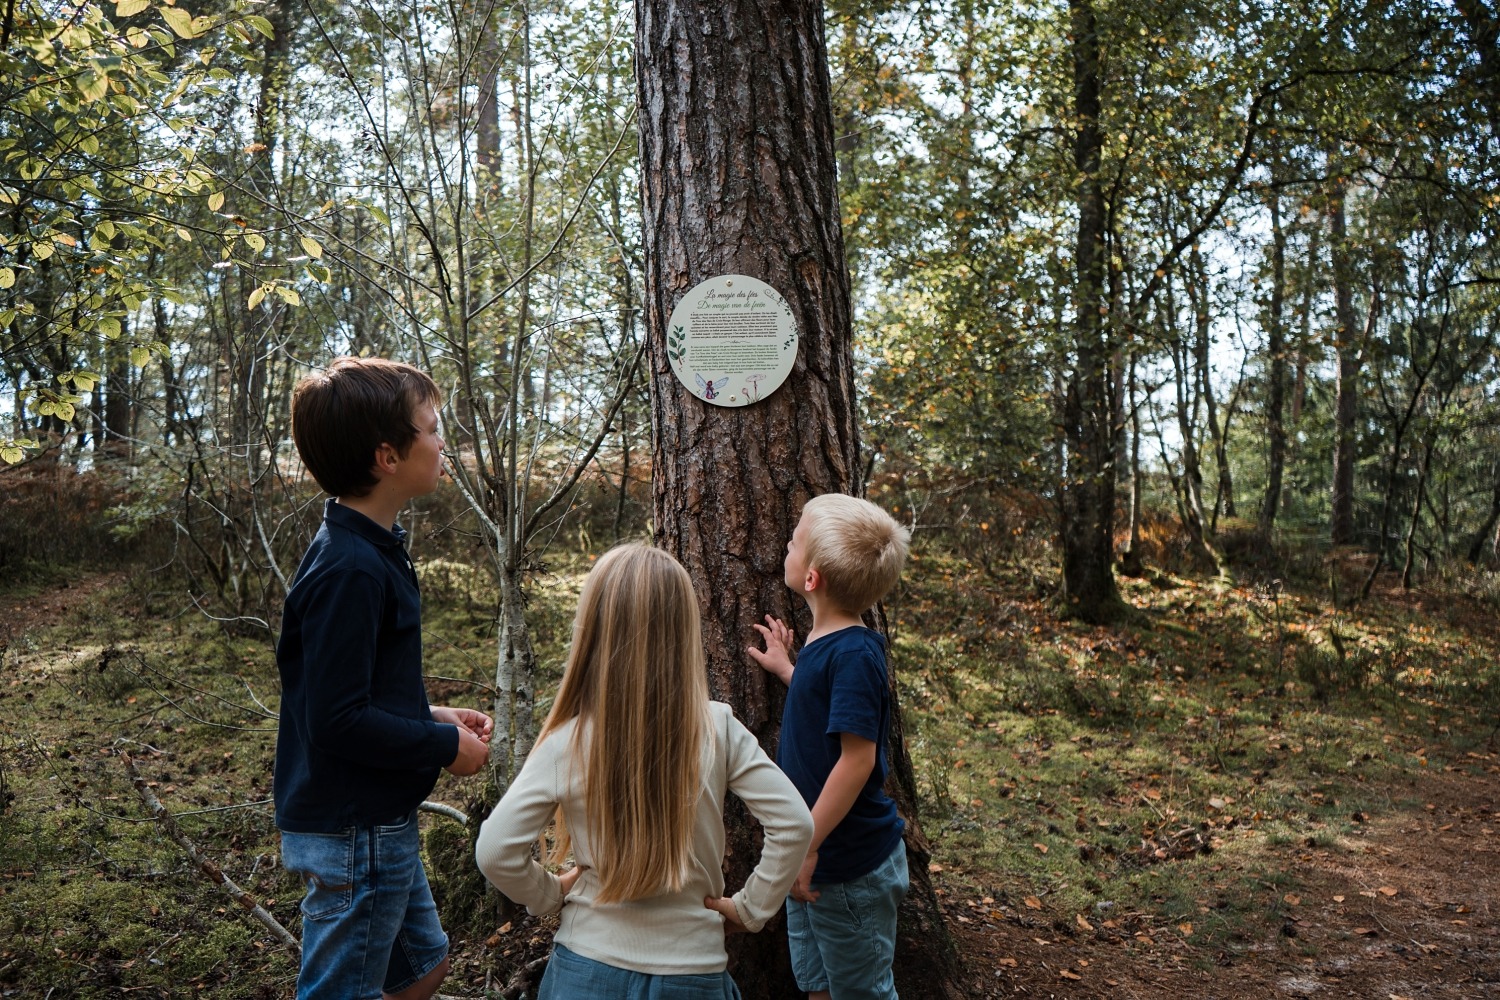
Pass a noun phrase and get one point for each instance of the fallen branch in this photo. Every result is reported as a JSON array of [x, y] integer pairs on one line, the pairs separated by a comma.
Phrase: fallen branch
[[445, 810], [205, 865]]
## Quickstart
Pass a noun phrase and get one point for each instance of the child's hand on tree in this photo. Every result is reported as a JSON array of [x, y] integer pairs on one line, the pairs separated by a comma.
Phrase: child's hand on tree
[[776, 658]]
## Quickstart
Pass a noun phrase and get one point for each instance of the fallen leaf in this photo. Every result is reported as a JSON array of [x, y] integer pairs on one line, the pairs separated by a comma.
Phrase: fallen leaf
[[1009, 963], [1040, 847], [934, 867], [1186, 928], [1032, 903], [1365, 931], [1338, 899], [1388, 890], [1291, 899], [1069, 975], [1082, 923]]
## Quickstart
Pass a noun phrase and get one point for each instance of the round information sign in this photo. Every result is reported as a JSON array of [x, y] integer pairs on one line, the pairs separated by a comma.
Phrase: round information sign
[[732, 340]]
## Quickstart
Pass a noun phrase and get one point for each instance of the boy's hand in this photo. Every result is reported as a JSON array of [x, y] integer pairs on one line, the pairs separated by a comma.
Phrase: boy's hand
[[465, 718], [802, 890], [726, 909], [777, 657], [473, 754]]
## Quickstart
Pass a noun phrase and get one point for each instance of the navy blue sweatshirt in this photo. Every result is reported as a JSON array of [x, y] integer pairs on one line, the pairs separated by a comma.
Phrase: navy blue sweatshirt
[[356, 744]]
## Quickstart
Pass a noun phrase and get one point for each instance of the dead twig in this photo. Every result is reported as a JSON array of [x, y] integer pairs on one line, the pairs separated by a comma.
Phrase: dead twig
[[211, 871]]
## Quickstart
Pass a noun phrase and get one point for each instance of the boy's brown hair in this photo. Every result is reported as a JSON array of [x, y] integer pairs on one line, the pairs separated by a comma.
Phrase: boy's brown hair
[[343, 413], [856, 547]]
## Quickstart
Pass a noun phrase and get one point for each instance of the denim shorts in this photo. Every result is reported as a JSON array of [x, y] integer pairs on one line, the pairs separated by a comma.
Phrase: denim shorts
[[369, 924], [845, 942], [570, 976]]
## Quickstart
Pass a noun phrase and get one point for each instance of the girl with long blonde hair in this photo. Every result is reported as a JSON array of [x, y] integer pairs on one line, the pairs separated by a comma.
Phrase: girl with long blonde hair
[[632, 764]]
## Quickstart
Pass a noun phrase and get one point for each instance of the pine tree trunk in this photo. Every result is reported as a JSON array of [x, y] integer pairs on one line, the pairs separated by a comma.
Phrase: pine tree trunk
[[738, 177]]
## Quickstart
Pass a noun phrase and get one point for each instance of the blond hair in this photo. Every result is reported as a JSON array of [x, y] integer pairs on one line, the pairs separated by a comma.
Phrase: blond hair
[[857, 548], [635, 680]]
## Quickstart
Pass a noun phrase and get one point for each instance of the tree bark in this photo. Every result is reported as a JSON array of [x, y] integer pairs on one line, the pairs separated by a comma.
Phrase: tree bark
[[738, 175], [1276, 371], [1348, 347], [1088, 479]]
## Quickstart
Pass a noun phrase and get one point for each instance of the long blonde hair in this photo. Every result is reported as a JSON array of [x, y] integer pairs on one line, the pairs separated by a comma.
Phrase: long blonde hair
[[635, 680]]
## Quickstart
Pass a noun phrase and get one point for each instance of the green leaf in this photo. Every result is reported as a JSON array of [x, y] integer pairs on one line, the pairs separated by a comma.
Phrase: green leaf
[[260, 24], [93, 86], [10, 454], [180, 21], [64, 411], [110, 327], [139, 356], [312, 246]]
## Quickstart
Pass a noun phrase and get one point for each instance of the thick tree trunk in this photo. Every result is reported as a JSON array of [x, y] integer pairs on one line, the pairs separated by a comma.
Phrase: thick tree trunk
[[737, 166], [1088, 480]]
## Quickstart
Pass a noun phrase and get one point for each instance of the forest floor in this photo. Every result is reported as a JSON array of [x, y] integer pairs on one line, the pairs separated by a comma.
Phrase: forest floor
[[1244, 791]]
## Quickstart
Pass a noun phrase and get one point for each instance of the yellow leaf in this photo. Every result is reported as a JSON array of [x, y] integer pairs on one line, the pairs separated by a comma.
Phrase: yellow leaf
[[11, 455], [180, 21], [255, 241], [256, 297], [289, 295], [312, 247], [216, 201], [184, 235], [139, 356], [127, 8], [7, 277]]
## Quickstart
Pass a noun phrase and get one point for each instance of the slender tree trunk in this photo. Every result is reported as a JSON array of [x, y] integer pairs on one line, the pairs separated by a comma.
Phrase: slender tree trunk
[[1088, 478], [1276, 370], [1416, 514], [1197, 287], [738, 176], [1348, 347], [1130, 562]]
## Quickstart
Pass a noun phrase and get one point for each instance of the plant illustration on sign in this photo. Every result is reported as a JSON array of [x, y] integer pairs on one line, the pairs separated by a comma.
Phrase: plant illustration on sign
[[676, 348], [752, 392]]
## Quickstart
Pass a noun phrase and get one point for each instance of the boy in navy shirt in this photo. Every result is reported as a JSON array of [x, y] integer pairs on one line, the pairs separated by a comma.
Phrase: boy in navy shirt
[[358, 747], [844, 556]]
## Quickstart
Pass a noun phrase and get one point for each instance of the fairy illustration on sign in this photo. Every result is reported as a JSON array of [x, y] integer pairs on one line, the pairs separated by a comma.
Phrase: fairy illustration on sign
[[711, 389]]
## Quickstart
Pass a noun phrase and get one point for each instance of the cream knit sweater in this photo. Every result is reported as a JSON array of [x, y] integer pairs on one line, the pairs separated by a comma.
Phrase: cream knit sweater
[[669, 934]]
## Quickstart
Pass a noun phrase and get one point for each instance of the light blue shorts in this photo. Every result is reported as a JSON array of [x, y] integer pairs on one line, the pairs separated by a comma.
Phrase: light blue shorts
[[369, 924], [570, 976], [845, 942]]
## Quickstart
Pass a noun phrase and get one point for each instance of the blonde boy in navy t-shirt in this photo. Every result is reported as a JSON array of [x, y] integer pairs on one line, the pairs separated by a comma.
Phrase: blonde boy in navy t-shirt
[[844, 556]]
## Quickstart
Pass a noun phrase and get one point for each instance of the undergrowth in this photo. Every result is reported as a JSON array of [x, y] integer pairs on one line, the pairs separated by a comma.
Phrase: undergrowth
[[1145, 779]]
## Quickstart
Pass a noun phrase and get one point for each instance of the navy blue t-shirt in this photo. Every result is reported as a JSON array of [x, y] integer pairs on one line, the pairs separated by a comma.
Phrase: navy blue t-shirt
[[840, 685], [356, 744]]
